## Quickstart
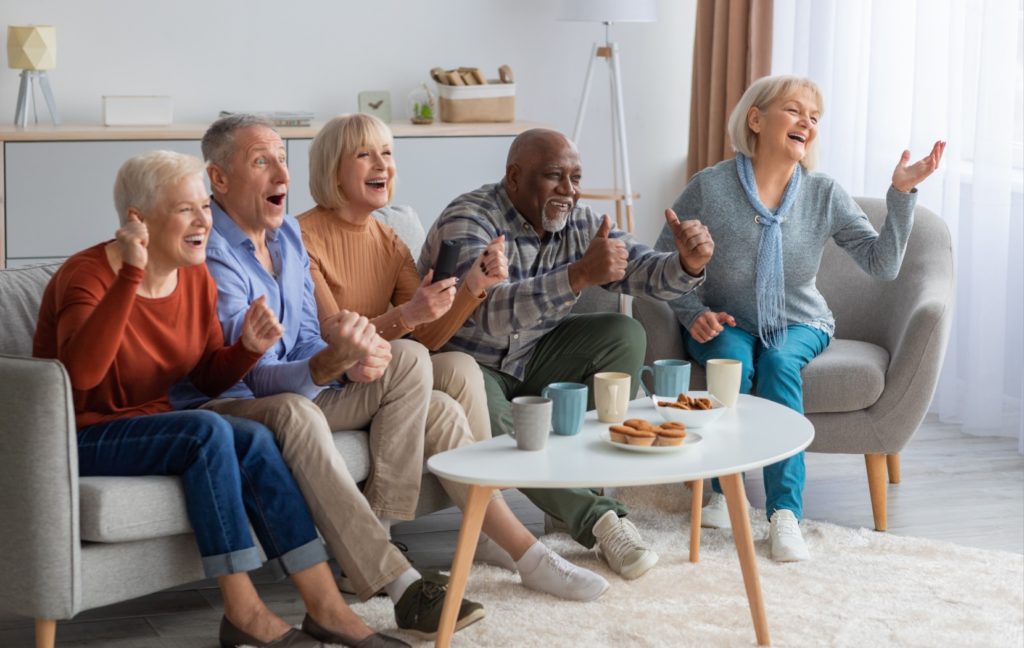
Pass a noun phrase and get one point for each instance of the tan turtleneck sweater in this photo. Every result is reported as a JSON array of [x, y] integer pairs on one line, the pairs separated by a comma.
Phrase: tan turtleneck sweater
[[367, 269]]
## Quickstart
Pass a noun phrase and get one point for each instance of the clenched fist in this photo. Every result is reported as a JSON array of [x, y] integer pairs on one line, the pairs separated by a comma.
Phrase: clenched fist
[[132, 240], [708, 325], [490, 268], [260, 328], [693, 241], [605, 260]]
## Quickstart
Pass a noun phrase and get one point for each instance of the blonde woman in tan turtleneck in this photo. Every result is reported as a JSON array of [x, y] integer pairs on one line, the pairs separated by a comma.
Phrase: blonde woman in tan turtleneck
[[361, 265]]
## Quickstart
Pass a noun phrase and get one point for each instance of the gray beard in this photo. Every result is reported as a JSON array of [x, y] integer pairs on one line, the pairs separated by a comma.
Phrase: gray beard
[[554, 225]]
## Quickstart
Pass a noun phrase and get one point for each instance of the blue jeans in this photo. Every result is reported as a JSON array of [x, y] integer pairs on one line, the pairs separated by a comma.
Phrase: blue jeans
[[229, 467], [777, 375]]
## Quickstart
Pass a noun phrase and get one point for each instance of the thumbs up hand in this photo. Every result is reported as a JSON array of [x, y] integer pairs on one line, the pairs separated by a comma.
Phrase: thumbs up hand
[[605, 260]]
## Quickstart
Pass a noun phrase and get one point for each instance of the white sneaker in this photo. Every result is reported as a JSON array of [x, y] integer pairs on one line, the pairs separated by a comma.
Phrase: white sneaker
[[619, 544], [559, 577], [787, 541], [489, 553], [715, 514]]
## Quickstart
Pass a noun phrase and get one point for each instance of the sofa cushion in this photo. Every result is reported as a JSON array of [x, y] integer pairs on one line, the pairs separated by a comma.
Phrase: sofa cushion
[[21, 290], [123, 509], [847, 377]]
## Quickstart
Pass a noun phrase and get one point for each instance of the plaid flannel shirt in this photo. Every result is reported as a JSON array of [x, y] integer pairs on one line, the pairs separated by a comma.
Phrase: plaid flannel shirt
[[503, 331]]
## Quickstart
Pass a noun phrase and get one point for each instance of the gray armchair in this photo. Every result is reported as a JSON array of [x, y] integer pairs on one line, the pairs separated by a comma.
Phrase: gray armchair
[[869, 391]]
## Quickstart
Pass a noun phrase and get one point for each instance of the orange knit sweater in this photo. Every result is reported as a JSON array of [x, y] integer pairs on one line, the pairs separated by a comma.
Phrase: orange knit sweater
[[367, 269]]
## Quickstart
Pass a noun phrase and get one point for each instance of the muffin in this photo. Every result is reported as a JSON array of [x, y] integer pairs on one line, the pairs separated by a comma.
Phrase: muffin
[[640, 437], [670, 436], [618, 433], [639, 424]]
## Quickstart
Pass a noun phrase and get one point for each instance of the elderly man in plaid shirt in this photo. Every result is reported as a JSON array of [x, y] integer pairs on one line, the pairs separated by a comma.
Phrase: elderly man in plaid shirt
[[523, 334]]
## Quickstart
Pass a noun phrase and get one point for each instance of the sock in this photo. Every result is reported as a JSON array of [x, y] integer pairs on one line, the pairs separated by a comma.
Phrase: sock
[[532, 557], [397, 587]]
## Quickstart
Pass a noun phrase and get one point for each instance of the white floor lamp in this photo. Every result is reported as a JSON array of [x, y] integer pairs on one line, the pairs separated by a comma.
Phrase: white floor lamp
[[608, 12]]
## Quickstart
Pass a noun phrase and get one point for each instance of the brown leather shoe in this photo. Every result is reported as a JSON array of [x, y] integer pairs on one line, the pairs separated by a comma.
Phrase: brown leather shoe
[[376, 640], [232, 637]]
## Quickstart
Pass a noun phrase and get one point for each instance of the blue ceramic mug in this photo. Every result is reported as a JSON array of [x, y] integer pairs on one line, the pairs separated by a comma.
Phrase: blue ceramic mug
[[671, 377], [569, 401]]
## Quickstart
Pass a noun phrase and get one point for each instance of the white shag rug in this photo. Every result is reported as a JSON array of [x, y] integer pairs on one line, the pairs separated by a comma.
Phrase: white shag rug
[[861, 588]]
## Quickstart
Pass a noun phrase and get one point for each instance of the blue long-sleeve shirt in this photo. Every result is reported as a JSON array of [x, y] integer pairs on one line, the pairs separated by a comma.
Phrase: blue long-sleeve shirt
[[241, 278]]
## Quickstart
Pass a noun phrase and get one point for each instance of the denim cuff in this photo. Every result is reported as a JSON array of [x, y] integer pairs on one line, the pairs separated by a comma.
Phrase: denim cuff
[[299, 558], [232, 562]]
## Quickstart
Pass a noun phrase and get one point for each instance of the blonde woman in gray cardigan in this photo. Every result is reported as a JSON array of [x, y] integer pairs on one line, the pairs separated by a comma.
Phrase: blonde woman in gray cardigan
[[770, 218]]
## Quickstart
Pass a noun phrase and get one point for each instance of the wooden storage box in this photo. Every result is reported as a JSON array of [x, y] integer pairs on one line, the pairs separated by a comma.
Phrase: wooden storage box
[[495, 102]]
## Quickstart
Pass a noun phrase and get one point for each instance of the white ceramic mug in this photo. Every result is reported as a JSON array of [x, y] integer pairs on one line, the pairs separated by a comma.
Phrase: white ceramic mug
[[611, 395], [724, 379], [531, 422]]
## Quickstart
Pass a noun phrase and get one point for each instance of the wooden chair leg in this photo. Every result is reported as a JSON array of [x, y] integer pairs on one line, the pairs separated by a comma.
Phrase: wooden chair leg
[[892, 462], [46, 633], [875, 464]]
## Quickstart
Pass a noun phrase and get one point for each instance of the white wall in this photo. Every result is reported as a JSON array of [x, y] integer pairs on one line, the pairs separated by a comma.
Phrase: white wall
[[306, 55]]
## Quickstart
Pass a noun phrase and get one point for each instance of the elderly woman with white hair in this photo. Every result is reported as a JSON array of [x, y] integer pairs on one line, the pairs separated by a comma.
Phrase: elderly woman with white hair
[[770, 217], [130, 317]]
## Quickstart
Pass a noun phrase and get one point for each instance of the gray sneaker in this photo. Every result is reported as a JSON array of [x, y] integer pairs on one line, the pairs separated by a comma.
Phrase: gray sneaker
[[620, 545], [418, 612]]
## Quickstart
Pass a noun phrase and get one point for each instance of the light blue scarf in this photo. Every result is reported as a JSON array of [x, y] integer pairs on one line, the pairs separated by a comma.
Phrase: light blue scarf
[[771, 280]]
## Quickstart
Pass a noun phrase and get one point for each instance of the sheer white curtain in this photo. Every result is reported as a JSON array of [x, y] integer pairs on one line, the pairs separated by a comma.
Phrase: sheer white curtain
[[901, 74]]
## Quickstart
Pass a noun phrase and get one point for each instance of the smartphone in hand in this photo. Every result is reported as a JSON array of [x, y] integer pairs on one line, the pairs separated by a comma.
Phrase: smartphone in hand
[[447, 260]]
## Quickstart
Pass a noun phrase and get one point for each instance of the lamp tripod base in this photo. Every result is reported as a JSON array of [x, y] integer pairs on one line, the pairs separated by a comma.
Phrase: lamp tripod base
[[26, 95]]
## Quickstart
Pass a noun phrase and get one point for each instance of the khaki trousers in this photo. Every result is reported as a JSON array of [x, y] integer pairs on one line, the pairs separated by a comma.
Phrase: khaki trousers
[[393, 408]]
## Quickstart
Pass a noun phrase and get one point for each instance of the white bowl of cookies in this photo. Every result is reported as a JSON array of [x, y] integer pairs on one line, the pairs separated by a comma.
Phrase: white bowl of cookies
[[694, 409]]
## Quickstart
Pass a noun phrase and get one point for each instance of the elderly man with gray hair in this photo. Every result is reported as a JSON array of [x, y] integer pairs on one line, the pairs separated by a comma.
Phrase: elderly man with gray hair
[[309, 384]]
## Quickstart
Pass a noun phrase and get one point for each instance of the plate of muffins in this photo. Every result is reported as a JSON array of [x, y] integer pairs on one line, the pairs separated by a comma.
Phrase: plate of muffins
[[640, 435]]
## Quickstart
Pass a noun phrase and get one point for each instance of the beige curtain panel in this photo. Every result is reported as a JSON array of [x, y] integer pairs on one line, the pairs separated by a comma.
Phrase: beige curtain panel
[[733, 46]]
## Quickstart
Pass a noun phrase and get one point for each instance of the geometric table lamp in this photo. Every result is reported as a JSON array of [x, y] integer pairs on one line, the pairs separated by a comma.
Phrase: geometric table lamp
[[608, 12], [33, 50]]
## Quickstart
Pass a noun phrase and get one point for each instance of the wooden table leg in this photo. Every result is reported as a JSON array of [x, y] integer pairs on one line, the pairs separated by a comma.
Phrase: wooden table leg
[[469, 533], [696, 502], [736, 499]]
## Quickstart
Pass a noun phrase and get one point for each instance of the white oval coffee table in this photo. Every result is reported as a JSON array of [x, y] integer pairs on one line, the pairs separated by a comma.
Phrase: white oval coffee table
[[755, 433]]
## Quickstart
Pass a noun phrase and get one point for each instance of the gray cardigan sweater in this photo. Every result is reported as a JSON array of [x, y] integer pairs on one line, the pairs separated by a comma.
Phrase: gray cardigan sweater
[[822, 210]]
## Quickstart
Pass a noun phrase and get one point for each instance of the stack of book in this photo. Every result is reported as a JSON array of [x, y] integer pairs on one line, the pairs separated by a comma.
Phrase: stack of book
[[281, 117]]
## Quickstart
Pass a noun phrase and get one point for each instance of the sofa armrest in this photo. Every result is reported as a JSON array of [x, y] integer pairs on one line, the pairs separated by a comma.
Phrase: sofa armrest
[[664, 337], [40, 553]]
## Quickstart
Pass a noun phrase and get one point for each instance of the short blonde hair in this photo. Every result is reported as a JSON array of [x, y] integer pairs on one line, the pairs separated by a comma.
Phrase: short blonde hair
[[142, 179], [339, 137], [760, 95]]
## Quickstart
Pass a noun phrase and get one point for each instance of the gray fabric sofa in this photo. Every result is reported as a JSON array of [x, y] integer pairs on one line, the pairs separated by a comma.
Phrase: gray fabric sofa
[[73, 543], [870, 389]]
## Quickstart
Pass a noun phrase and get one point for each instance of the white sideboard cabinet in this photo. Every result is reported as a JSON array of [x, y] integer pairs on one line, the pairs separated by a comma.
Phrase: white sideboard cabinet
[[56, 190]]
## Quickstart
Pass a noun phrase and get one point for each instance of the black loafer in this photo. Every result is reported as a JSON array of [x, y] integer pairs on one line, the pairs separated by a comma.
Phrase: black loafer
[[376, 640], [232, 637]]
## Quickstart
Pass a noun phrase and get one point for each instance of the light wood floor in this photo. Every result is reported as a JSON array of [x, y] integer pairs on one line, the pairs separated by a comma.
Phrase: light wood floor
[[958, 488]]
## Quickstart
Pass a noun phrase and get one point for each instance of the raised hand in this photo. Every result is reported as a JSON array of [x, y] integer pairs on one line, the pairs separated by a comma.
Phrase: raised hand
[[350, 336], [133, 239], [373, 365], [260, 328], [490, 268], [430, 301], [693, 241], [605, 260], [907, 176], [708, 325]]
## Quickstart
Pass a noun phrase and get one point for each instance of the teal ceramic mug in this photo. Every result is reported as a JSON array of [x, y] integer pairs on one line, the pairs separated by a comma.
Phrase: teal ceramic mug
[[671, 377], [569, 405]]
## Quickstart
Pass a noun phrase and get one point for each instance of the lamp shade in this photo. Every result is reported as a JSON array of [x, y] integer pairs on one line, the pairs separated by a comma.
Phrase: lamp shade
[[32, 47], [609, 11]]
